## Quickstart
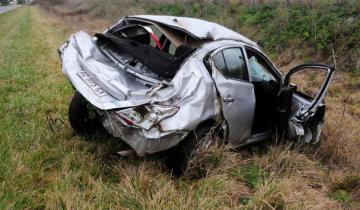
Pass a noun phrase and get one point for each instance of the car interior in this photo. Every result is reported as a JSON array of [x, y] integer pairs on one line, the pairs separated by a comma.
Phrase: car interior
[[266, 87], [162, 55]]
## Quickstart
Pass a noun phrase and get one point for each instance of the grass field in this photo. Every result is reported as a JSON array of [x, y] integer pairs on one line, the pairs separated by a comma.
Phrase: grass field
[[41, 169]]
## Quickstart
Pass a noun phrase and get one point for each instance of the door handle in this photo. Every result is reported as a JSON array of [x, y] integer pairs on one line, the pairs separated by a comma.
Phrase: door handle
[[228, 99]]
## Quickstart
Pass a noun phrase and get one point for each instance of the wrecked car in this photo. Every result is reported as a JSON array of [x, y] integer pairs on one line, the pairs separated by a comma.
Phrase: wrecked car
[[161, 83]]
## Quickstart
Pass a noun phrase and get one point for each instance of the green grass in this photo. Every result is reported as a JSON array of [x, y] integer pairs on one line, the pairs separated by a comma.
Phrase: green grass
[[44, 170], [35, 163], [250, 174]]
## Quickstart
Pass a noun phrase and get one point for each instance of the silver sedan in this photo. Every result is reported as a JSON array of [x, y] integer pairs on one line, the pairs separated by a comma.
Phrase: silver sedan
[[160, 83]]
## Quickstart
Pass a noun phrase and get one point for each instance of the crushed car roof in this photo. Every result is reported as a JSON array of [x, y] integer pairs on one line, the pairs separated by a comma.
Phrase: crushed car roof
[[199, 28]]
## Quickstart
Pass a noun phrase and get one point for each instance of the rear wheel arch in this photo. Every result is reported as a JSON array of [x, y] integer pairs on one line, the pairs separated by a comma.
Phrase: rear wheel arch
[[180, 155], [83, 119]]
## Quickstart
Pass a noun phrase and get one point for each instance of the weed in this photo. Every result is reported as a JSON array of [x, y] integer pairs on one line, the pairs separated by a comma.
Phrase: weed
[[251, 174], [341, 196]]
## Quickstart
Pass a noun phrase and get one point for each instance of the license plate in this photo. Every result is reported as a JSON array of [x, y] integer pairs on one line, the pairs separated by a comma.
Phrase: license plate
[[95, 87]]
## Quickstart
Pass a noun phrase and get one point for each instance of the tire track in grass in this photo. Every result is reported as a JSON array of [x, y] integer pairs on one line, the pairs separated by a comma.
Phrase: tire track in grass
[[8, 22], [9, 65], [10, 25], [25, 152], [37, 168]]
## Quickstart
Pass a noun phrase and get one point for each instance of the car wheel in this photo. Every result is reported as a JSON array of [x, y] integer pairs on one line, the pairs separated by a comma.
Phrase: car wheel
[[180, 155], [82, 116]]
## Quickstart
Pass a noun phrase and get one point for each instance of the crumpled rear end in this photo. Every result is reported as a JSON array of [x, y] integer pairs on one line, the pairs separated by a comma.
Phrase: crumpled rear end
[[111, 90]]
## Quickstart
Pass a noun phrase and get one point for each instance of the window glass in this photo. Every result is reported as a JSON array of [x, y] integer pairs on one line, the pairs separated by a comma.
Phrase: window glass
[[235, 64], [259, 70], [219, 61], [157, 33], [172, 49]]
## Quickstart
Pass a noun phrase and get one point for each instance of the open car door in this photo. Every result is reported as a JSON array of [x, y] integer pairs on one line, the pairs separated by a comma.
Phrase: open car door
[[306, 104]]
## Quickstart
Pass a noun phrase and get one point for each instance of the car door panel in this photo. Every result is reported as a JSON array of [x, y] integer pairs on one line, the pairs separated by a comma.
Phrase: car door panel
[[309, 110], [237, 102], [307, 113]]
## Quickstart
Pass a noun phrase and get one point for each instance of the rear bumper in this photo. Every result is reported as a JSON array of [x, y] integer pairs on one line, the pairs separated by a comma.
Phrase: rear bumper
[[142, 141]]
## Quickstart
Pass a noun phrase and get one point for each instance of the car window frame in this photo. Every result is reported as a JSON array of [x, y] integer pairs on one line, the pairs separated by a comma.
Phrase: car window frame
[[242, 49], [273, 70]]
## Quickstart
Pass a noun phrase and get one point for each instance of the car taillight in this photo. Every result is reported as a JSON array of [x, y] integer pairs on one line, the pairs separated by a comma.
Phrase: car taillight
[[146, 116]]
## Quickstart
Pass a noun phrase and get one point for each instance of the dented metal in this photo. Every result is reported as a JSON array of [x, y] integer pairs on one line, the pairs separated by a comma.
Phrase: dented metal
[[152, 113]]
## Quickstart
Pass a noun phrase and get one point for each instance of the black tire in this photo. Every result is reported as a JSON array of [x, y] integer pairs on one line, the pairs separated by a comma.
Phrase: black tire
[[83, 118], [180, 155]]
